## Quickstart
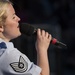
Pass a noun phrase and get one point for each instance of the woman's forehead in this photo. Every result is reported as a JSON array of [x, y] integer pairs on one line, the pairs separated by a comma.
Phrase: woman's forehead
[[9, 9]]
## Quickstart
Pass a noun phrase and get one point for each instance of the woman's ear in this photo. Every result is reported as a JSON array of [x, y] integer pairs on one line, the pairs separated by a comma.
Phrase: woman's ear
[[1, 28]]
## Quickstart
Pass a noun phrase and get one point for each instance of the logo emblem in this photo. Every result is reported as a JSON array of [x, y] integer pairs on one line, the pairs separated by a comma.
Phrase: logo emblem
[[20, 66], [2, 48], [3, 45]]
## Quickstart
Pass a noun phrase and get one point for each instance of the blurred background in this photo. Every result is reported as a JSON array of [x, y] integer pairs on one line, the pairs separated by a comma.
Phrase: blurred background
[[58, 18]]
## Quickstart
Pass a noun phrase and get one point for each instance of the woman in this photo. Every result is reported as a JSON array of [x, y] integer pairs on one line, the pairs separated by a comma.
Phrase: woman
[[12, 61]]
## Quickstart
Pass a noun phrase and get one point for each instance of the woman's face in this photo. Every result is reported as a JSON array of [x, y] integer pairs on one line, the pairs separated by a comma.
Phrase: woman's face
[[11, 25]]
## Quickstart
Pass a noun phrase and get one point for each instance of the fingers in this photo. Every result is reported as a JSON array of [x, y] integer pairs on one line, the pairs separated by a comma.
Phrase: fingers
[[43, 33], [38, 32], [43, 40]]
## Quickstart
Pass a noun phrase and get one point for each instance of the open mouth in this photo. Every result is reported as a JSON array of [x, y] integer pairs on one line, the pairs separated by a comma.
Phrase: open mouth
[[18, 26]]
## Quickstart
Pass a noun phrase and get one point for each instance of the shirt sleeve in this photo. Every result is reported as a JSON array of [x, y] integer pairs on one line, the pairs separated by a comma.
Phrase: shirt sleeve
[[15, 63]]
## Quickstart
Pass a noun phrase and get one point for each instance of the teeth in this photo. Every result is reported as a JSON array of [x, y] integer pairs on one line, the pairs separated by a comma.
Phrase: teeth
[[18, 26]]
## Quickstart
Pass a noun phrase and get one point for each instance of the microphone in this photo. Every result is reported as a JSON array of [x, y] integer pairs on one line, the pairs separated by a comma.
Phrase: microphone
[[30, 30]]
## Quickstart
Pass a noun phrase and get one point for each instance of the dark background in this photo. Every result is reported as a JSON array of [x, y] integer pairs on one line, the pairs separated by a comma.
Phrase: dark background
[[58, 18]]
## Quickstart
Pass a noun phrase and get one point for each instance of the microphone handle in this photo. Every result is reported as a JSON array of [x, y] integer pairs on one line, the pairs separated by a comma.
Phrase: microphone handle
[[58, 43]]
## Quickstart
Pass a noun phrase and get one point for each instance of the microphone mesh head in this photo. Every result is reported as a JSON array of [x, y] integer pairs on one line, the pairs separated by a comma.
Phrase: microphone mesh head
[[26, 29]]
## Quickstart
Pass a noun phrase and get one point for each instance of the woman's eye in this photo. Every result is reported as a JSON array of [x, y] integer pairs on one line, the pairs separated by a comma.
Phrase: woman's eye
[[14, 17]]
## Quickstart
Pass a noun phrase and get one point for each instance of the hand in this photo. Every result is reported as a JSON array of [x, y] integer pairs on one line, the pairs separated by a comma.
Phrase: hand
[[43, 40]]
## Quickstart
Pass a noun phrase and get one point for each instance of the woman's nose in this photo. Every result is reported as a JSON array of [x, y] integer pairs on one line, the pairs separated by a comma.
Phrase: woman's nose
[[18, 19]]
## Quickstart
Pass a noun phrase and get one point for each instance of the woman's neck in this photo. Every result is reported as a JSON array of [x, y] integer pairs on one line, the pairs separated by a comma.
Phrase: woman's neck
[[3, 37]]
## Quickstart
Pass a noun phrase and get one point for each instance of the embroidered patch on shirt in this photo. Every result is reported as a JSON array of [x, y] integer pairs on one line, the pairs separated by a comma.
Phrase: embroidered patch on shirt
[[3, 45], [20, 66]]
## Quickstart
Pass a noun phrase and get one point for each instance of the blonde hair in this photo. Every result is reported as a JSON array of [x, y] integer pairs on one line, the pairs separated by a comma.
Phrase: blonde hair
[[3, 5]]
